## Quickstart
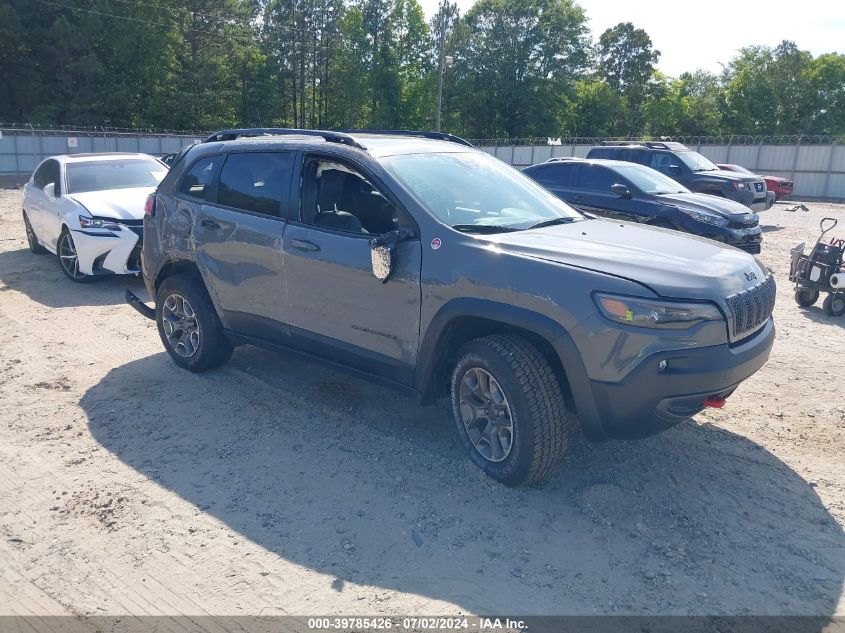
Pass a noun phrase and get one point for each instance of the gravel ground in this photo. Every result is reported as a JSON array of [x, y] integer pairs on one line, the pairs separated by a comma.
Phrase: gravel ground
[[274, 486]]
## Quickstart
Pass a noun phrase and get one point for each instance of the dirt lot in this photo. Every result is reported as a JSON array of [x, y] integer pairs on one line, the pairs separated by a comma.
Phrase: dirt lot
[[274, 486]]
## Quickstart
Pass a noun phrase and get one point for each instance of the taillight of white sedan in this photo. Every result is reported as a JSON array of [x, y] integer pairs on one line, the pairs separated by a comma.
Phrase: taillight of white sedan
[[88, 210]]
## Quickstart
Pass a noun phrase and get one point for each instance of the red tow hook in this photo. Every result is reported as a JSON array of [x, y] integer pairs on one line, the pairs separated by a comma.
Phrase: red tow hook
[[714, 402]]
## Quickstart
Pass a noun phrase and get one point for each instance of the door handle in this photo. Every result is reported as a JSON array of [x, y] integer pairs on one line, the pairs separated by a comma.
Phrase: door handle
[[209, 224], [304, 245], [575, 197]]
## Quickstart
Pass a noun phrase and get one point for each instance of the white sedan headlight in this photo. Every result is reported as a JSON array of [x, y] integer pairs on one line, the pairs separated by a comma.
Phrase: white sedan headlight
[[97, 223]]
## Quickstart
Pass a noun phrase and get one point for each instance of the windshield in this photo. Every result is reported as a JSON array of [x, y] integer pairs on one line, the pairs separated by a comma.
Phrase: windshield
[[466, 190], [649, 180], [113, 174], [696, 162]]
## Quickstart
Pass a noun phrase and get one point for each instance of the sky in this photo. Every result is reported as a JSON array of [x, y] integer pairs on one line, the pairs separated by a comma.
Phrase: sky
[[691, 35]]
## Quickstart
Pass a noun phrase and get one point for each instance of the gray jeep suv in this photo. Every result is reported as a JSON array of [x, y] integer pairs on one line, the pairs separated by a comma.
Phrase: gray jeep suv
[[416, 260]]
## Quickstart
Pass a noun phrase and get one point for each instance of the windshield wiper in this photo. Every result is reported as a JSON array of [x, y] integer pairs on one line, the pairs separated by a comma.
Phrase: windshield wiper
[[551, 222], [483, 228]]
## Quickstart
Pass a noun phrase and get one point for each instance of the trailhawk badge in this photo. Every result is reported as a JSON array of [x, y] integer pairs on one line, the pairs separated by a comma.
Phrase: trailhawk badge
[[435, 243]]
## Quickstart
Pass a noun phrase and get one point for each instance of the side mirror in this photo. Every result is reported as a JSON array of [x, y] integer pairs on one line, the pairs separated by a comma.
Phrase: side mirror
[[621, 190], [381, 256], [383, 252], [50, 190], [675, 169]]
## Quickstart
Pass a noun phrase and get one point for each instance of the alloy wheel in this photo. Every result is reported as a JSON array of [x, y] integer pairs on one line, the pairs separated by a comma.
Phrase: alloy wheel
[[68, 256], [486, 414], [180, 325]]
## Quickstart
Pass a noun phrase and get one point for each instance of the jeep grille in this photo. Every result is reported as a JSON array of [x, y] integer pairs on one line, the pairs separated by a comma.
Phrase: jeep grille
[[752, 307]]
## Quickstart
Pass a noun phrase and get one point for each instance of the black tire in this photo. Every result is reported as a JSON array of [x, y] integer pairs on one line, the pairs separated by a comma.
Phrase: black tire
[[210, 348], [834, 304], [70, 267], [806, 297], [533, 395], [32, 240]]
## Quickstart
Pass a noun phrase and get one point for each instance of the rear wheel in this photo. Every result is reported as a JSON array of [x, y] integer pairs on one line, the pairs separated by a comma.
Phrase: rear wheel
[[31, 238], [806, 297], [69, 260], [509, 410], [834, 304], [188, 325]]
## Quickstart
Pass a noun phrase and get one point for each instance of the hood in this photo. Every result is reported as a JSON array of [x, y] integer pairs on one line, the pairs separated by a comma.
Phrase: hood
[[733, 176], [120, 204], [704, 202], [776, 179], [670, 263]]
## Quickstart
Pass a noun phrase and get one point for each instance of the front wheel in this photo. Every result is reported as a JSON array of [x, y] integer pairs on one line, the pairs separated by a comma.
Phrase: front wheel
[[509, 409], [69, 259], [806, 297], [188, 325], [834, 304]]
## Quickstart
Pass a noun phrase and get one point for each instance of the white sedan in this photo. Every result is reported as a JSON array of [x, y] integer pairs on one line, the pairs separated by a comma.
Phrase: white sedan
[[88, 209]]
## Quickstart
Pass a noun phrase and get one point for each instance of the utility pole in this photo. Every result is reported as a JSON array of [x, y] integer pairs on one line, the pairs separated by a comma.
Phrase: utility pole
[[447, 16], [440, 70]]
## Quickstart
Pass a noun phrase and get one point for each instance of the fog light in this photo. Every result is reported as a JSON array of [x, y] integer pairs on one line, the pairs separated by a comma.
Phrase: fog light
[[661, 366]]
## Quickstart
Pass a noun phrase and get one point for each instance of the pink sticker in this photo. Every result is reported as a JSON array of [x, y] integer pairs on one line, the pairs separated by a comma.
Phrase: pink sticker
[[435, 243]]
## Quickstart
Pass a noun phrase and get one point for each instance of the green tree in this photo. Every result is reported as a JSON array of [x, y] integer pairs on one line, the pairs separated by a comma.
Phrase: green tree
[[515, 62], [626, 57]]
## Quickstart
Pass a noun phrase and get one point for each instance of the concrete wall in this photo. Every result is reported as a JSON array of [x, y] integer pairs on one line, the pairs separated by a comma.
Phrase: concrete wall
[[818, 171]]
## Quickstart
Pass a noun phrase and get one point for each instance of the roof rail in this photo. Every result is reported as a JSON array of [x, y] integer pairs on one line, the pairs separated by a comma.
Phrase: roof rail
[[329, 136], [562, 159], [622, 143], [439, 136]]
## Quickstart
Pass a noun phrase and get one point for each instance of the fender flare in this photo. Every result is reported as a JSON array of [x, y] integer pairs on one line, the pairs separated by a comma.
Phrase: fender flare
[[433, 352]]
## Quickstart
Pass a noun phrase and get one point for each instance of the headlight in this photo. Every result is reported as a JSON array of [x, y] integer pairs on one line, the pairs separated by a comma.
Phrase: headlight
[[740, 185], [653, 313], [707, 218], [96, 223]]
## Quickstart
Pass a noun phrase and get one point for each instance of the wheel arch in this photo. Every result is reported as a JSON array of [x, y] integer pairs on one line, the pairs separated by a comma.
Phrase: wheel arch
[[175, 267], [462, 320]]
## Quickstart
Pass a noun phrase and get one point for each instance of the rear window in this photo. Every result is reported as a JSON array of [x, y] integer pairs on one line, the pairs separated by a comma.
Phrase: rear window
[[254, 181], [560, 175], [114, 174]]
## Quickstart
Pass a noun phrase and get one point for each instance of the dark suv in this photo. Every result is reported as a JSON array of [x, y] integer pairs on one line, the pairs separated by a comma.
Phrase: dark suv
[[416, 260], [627, 191], [691, 169]]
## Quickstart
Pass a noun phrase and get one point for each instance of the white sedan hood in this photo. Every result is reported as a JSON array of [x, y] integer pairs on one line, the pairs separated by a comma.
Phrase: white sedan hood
[[120, 204]]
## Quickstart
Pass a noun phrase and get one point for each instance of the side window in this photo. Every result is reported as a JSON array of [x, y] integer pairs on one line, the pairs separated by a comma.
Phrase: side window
[[596, 178], [661, 161], [561, 175], [336, 196], [47, 173], [199, 178], [255, 181]]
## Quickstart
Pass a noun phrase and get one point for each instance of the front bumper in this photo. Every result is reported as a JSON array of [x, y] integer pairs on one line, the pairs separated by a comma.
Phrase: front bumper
[[108, 251], [748, 239], [649, 400]]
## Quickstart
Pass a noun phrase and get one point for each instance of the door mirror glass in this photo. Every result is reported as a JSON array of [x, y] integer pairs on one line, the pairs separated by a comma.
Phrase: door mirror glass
[[621, 190], [50, 190], [382, 260]]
